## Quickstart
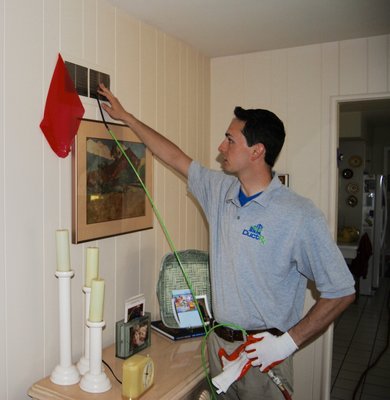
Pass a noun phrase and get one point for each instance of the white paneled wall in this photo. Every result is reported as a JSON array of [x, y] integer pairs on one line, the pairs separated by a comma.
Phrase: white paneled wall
[[302, 86], [3, 275], [164, 82]]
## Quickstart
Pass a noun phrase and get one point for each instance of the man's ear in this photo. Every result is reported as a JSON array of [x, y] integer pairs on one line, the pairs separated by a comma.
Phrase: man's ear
[[258, 150]]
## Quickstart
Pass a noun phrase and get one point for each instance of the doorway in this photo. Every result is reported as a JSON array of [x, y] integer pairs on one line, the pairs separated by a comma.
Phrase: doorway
[[364, 144], [364, 124]]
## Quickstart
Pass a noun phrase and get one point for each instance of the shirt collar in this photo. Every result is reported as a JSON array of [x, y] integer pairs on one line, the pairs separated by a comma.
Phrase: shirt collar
[[263, 200]]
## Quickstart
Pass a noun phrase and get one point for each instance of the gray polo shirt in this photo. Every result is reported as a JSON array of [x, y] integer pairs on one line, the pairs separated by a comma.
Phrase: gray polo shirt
[[262, 254]]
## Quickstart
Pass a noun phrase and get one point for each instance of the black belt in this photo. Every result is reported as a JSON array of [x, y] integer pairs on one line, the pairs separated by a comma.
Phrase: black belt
[[234, 335]]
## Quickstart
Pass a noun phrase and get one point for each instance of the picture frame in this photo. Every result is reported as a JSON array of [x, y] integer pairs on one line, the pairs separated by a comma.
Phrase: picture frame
[[184, 309], [132, 336], [140, 334], [204, 308], [134, 307], [107, 197], [284, 178]]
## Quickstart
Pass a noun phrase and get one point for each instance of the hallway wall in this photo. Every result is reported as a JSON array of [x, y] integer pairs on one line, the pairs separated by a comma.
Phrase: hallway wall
[[302, 86]]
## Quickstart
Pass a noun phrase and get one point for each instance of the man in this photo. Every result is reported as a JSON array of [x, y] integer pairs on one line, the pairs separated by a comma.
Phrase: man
[[265, 242]]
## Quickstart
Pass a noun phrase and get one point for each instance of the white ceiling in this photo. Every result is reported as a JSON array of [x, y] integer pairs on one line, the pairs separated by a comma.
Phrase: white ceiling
[[230, 27]]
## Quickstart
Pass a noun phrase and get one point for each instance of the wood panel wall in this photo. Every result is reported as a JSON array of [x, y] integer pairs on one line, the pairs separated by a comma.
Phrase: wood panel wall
[[159, 79]]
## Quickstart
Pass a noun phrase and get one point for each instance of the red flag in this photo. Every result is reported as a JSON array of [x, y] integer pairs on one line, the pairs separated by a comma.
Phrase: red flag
[[63, 111]]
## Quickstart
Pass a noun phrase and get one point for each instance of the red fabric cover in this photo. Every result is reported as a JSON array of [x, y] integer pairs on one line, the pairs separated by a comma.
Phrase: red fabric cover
[[63, 111]]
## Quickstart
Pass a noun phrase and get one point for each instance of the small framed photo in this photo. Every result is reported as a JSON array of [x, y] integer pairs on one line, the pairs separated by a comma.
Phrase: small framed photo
[[133, 336], [284, 178], [107, 196], [139, 334], [135, 312], [185, 310], [204, 308], [134, 308]]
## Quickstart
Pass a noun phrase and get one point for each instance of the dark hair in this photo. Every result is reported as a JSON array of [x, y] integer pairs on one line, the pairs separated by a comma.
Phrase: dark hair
[[262, 126]]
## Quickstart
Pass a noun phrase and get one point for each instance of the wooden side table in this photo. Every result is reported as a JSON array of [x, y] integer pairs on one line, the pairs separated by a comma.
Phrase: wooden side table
[[179, 374]]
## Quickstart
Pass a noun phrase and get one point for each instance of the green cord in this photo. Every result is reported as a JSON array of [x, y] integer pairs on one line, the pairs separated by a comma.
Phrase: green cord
[[171, 244], [160, 220], [157, 213], [165, 230]]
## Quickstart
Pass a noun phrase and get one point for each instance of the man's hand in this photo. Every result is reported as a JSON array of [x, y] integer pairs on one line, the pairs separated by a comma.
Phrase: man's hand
[[159, 145], [116, 111], [270, 350]]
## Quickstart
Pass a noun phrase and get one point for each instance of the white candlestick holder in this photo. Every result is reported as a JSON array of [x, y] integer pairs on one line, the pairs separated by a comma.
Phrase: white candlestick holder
[[65, 373], [83, 364], [95, 380]]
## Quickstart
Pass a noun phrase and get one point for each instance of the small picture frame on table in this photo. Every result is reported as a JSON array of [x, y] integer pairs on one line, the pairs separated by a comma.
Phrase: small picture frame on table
[[134, 307], [140, 334], [132, 336], [284, 178]]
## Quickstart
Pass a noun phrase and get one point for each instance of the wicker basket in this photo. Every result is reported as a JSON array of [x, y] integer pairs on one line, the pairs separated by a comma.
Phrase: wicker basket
[[196, 266]]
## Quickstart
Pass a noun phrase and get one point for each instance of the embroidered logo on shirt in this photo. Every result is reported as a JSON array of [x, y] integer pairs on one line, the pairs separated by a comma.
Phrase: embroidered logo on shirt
[[254, 232]]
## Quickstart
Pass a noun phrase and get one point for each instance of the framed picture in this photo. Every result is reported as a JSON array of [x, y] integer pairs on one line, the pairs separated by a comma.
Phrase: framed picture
[[139, 334], [284, 179], [204, 308], [134, 307], [132, 336], [184, 309], [108, 198]]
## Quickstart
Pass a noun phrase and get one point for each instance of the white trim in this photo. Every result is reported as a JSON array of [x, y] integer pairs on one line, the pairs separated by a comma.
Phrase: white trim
[[333, 194], [334, 140]]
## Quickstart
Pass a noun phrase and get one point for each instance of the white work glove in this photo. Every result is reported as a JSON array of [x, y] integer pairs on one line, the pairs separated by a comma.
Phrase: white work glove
[[232, 371], [270, 350]]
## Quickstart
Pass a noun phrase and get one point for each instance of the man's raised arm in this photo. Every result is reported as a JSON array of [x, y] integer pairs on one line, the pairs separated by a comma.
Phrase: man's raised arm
[[160, 146]]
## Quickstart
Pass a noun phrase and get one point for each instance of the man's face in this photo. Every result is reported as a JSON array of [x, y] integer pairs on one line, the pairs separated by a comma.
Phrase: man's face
[[234, 149]]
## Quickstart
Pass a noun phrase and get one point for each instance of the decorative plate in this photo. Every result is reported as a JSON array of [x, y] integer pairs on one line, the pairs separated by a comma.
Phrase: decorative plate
[[352, 201], [352, 187], [355, 161], [347, 173]]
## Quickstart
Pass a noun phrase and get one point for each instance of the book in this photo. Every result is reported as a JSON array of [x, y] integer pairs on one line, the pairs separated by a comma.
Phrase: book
[[177, 333]]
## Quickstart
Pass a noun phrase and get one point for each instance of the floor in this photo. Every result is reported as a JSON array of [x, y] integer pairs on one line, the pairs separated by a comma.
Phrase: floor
[[360, 335]]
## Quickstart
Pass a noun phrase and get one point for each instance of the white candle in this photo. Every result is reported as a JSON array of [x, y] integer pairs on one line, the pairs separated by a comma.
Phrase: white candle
[[92, 265], [97, 301], [63, 253]]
